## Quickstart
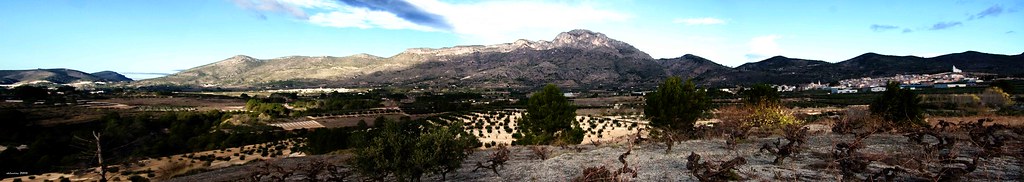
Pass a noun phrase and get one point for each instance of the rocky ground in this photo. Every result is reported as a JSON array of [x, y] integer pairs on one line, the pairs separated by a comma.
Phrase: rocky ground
[[652, 163]]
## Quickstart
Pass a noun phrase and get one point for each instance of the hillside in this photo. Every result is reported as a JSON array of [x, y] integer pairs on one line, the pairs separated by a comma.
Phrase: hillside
[[783, 70], [576, 59], [111, 76], [59, 76]]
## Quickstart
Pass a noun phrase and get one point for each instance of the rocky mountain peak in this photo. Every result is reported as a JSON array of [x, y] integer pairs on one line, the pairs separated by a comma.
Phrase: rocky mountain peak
[[578, 39], [240, 59], [366, 56], [581, 36]]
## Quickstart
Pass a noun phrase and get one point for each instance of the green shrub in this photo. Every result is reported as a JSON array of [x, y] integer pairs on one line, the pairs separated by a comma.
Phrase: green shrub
[[674, 108], [137, 178], [899, 106], [399, 149], [549, 113]]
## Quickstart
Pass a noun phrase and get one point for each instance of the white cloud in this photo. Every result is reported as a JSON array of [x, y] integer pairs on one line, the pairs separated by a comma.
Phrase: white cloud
[[344, 17], [484, 22], [699, 21], [313, 3], [764, 46], [505, 21], [271, 6]]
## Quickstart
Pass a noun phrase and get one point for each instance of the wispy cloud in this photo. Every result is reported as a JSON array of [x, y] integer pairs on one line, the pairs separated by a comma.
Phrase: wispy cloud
[[404, 10], [993, 11], [1011, 31], [346, 17], [945, 25], [260, 7], [763, 46], [699, 21], [882, 28], [475, 22], [907, 30]]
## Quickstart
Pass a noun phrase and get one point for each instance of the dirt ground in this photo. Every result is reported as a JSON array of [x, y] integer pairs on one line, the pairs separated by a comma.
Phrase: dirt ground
[[652, 163], [1004, 120], [165, 167]]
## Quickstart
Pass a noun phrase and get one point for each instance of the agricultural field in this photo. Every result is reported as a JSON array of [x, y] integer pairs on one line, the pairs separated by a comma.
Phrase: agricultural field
[[495, 128], [171, 103], [167, 167]]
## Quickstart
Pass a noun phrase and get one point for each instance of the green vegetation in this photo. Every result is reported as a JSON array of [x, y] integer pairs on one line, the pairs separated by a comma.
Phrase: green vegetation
[[125, 137], [406, 150], [339, 103], [441, 102], [676, 106], [550, 118], [764, 107], [273, 110], [326, 140], [760, 93], [899, 106]]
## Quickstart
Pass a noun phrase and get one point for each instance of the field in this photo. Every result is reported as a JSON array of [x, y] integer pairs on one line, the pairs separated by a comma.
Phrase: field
[[164, 168], [178, 103], [820, 159], [496, 127]]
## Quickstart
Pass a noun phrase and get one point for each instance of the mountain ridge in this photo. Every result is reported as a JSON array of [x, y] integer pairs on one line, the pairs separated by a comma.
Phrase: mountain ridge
[[577, 58], [58, 76]]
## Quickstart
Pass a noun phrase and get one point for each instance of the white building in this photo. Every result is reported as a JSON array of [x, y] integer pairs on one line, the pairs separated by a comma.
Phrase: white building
[[950, 85], [843, 91]]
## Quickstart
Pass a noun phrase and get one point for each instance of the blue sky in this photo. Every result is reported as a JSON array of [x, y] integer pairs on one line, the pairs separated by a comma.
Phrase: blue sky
[[140, 37]]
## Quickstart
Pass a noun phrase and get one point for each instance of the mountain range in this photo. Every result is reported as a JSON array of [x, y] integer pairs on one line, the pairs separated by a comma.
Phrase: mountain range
[[580, 59], [59, 76]]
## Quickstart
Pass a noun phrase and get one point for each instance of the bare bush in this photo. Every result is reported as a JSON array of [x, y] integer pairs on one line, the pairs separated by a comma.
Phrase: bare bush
[[495, 160], [859, 120], [602, 174], [540, 152], [796, 136], [733, 125], [268, 171], [955, 172], [706, 171], [987, 137], [321, 170], [852, 162]]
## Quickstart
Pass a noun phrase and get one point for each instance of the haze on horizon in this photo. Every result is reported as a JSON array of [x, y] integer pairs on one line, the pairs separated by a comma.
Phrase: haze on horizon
[[147, 39]]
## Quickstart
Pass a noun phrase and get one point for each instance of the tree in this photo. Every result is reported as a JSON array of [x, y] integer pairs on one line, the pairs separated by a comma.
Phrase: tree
[[899, 106], [764, 107], [674, 108], [549, 113], [1005, 85], [401, 150], [760, 93], [96, 151], [30, 93], [995, 97], [442, 149]]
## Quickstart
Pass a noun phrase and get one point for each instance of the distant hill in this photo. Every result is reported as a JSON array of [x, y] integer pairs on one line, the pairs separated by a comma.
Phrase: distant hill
[[111, 76], [575, 59], [60, 76], [782, 70]]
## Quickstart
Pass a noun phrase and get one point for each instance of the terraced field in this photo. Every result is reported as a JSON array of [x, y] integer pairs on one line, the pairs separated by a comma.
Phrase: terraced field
[[496, 127]]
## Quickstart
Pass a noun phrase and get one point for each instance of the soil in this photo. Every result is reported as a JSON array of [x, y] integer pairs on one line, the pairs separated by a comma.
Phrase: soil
[[653, 163]]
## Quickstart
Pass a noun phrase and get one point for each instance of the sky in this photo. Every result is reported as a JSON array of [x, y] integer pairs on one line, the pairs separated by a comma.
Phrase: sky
[[145, 39]]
